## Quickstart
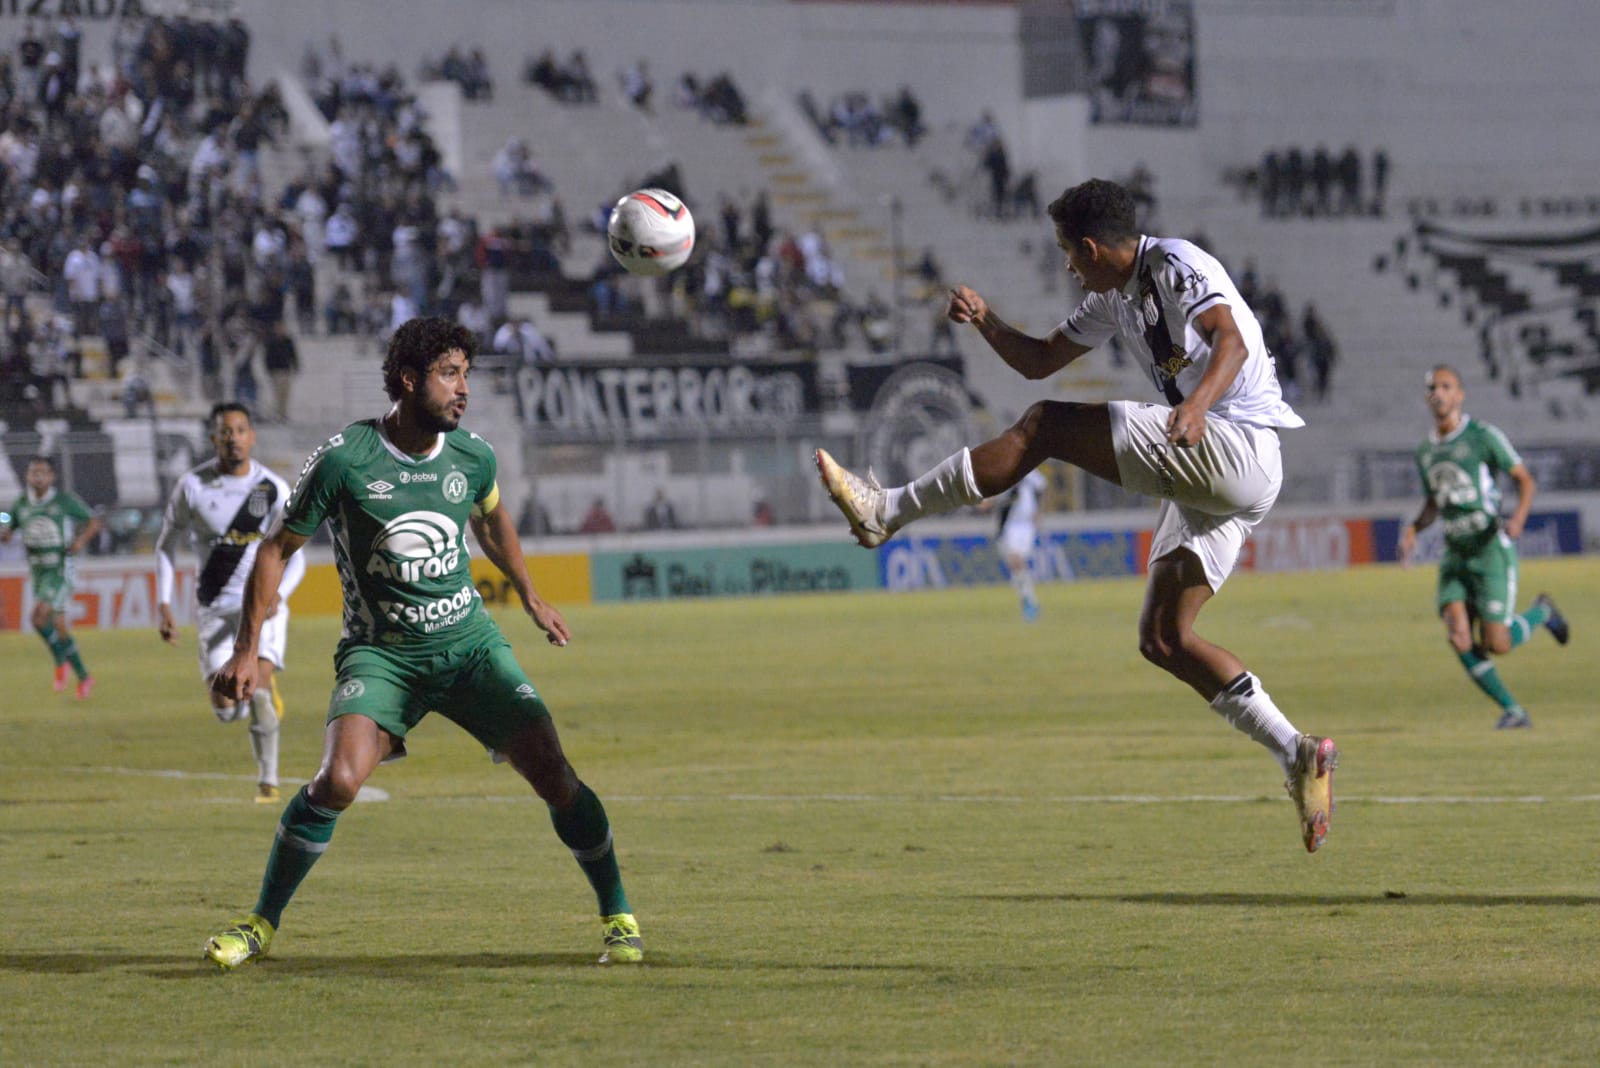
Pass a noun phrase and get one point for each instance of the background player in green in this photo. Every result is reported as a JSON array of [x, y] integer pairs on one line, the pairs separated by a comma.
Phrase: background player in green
[[49, 519], [1478, 571], [397, 494]]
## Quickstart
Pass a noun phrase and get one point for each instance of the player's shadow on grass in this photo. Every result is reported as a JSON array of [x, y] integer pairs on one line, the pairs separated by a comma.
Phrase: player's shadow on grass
[[396, 966], [1256, 900], [400, 965]]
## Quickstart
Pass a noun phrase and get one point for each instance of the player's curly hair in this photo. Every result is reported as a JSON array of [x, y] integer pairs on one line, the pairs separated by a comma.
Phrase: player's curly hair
[[418, 344], [1097, 208]]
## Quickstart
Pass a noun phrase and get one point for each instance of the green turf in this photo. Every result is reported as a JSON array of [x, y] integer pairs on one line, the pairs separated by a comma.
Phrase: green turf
[[860, 829]]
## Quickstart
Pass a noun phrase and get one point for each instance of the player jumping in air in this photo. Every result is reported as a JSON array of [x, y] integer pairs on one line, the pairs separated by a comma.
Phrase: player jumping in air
[[49, 520], [397, 494], [224, 508], [1210, 453], [1478, 571]]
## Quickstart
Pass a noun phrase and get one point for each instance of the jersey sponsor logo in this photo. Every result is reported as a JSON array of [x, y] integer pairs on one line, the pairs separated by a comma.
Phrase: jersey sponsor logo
[[1451, 486], [42, 532], [432, 615], [455, 487], [379, 490], [407, 477], [415, 545]]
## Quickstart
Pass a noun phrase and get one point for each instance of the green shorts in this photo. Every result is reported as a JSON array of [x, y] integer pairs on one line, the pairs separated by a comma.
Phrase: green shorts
[[53, 586], [480, 687], [1486, 580]]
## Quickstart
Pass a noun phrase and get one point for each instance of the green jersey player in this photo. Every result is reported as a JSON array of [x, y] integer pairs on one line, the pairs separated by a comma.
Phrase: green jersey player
[[1459, 464], [398, 494], [55, 526]]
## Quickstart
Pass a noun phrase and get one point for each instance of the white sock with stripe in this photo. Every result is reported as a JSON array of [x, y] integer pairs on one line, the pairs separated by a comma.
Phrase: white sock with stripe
[[948, 486], [1245, 705]]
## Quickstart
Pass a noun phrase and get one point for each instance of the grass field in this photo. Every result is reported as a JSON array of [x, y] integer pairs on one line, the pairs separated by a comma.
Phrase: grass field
[[857, 830]]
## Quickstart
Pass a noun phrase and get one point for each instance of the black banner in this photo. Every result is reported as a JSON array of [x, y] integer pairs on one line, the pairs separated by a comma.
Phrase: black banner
[[594, 402], [1140, 61]]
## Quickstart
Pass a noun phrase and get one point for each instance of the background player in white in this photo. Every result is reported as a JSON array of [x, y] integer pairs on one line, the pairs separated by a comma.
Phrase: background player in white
[[1211, 453], [223, 508], [1018, 534]]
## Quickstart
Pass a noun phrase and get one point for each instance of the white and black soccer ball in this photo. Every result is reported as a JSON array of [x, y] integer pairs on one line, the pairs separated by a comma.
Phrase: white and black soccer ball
[[651, 232]]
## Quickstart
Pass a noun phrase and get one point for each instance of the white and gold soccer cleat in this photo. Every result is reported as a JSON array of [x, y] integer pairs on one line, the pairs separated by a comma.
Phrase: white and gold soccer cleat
[[860, 499], [1310, 783]]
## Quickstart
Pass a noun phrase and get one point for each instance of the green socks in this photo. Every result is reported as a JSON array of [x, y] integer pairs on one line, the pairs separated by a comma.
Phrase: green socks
[[1483, 672], [583, 828], [1523, 626], [303, 834], [63, 648]]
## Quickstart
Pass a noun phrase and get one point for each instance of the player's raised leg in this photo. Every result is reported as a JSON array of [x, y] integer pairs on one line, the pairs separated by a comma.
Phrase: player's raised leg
[[1080, 434]]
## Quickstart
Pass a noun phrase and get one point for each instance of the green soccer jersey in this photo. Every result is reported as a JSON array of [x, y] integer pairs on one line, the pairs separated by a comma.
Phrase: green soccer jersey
[[399, 531], [48, 526], [1460, 472]]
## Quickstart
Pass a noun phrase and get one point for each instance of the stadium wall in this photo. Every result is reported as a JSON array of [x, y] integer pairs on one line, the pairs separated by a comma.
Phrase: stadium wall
[[120, 593]]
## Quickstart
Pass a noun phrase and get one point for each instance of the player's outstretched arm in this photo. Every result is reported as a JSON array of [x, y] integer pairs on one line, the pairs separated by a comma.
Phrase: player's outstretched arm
[[1031, 357], [497, 535], [237, 679]]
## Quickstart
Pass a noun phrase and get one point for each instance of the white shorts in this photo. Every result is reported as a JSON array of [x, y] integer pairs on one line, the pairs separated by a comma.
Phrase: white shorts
[[1018, 539], [216, 638], [1212, 494]]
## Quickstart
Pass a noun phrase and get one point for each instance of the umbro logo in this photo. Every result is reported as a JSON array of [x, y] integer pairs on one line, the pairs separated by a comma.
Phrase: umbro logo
[[380, 489]]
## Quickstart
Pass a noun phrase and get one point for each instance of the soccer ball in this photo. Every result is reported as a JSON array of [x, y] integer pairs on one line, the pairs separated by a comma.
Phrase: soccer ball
[[651, 232]]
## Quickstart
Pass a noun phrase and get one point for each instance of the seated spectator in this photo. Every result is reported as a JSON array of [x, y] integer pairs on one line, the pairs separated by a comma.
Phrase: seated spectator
[[659, 513], [904, 113], [597, 520], [637, 87], [723, 103]]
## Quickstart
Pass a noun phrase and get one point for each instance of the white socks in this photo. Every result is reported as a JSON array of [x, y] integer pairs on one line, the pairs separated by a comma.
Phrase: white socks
[[1022, 580], [231, 713], [1246, 705], [264, 735], [949, 486]]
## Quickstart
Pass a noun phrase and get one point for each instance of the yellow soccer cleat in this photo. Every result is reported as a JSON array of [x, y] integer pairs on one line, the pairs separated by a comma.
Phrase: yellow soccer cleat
[[266, 794], [621, 936], [860, 499], [1310, 783], [239, 943]]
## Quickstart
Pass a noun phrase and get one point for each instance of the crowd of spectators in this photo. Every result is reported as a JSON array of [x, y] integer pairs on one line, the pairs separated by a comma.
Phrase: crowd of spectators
[[125, 197], [468, 69], [853, 119], [1293, 183], [1304, 348]]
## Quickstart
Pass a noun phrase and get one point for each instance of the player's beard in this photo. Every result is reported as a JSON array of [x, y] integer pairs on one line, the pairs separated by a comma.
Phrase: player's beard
[[441, 421]]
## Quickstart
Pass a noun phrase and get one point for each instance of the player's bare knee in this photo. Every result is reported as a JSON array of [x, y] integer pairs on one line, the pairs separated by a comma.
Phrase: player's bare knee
[[1156, 648], [1460, 640], [1497, 643], [334, 786], [550, 775]]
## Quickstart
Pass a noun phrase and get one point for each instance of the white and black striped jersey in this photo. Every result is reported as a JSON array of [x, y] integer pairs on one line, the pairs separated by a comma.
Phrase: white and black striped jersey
[[1173, 282], [224, 517]]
